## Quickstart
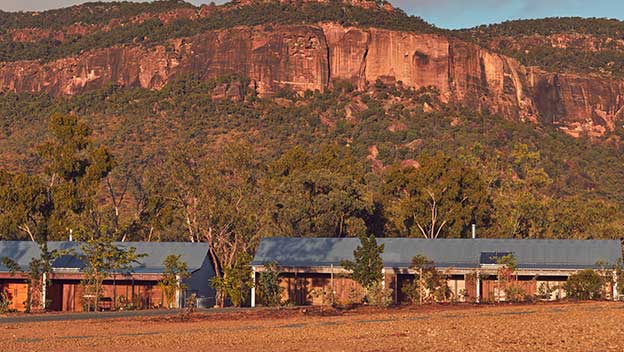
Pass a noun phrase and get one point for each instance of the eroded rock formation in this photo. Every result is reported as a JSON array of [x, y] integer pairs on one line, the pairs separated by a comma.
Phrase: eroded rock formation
[[309, 57]]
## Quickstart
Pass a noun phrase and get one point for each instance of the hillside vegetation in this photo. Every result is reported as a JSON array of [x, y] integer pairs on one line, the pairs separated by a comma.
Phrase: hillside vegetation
[[152, 30], [358, 151], [592, 45], [89, 13]]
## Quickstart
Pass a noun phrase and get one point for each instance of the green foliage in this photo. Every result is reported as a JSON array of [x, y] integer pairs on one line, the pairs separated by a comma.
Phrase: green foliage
[[319, 194], [235, 282], [175, 272], [366, 267], [412, 291], [442, 198], [87, 13], [585, 285], [508, 262], [74, 168], [10, 264], [554, 25], [429, 284], [102, 258], [545, 291], [5, 302], [378, 295], [528, 41], [26, 206], [515, 293], [267, 285], [35, 279], [238, 171]]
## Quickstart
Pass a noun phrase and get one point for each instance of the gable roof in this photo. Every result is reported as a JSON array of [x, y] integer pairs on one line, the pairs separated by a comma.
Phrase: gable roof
[[446, 253], [193, 254]]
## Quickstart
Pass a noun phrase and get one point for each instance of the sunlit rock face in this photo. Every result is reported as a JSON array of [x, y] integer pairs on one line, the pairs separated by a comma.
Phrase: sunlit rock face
[[310, 57]]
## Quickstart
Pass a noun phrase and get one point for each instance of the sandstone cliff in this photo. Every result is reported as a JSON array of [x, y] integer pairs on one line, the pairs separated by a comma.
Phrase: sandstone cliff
[[309, 57]]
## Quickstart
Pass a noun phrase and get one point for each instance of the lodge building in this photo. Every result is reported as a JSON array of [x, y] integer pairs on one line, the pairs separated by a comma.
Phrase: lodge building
[[137, 288], [309, 265]]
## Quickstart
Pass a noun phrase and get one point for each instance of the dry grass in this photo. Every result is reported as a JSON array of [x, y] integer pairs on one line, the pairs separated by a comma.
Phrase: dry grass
[[561, 327]]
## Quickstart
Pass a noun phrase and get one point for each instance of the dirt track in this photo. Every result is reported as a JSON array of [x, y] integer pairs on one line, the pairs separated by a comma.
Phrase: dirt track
[[570, 327]]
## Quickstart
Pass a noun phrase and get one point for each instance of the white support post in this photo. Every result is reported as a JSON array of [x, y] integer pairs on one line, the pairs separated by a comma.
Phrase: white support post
[[383, 278], [253, 287], [43, 290], [478, 281]]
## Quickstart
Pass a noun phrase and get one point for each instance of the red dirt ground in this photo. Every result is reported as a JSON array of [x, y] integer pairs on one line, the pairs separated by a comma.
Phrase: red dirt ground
[[547, 327]]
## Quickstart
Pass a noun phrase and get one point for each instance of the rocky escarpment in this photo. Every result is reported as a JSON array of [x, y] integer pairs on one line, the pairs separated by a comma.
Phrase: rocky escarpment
[[310, 57]]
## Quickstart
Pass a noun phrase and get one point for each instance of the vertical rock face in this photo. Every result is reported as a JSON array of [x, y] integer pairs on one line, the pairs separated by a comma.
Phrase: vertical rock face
[[309, 57], [580, 104], [416, 60], [348, 52], [293, 57]]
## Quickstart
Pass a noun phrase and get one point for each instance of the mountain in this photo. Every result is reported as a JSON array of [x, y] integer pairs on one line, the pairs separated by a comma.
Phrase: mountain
[[307, 46], [510, 100]]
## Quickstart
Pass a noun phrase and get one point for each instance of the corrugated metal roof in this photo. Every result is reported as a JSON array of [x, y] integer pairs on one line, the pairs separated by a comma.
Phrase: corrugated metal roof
[[193, 254], [456, 253]]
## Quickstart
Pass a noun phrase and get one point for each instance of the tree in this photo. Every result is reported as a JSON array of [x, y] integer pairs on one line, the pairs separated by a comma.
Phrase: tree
[[268, 287], [26, 206], [38, 276], [577, 218], [219, 198], [441, 198], [367, 265], [521, 206], [175, 272], [235, 282], [102, 258], [319, 195], [429, 284], [75, 167], [231, 213], [507, 266], [180, 176], [155, 216]]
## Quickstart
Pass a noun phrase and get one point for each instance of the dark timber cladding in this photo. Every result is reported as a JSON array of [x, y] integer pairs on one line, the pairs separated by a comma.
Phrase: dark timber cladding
[[310, 263], [139, 287]]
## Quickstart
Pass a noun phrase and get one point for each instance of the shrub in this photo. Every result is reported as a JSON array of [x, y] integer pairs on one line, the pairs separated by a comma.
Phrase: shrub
[[269, 290], [584, 285], [325, 295], [545, 291], [5, 302], [379, 296], [515, 293], [411, 290], [355, 297]]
